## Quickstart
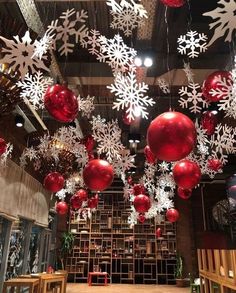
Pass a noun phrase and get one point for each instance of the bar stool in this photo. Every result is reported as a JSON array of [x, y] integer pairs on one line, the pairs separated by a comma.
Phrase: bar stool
[[18, 284]]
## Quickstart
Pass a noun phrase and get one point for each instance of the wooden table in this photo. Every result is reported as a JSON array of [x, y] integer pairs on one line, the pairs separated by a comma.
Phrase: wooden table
[[19, 283], [98, 274]]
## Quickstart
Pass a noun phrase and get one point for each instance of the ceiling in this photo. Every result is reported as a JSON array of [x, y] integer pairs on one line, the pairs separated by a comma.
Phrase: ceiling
[[85, 75]]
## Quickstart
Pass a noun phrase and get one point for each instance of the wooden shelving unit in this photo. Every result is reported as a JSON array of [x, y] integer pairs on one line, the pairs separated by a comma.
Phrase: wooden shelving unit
[[128, 255]]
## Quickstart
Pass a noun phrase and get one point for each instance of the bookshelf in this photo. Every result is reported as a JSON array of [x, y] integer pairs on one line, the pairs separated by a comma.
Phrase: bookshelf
[[128, 255]]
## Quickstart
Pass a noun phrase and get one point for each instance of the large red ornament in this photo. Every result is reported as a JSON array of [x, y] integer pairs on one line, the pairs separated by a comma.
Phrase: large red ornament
[[150, 157], [209, 121], [88, 142], [213, 83], [172, 215], [158, 232], [214, 164], [82, 194], [93, 202], [61, 208], [98, 174], [3, 146], [187, 174], [54, 182], [171, 136], [76, 201], [139, 189], [173, 3], [184, 193], [141, 218], [61, 103], [142, 203]]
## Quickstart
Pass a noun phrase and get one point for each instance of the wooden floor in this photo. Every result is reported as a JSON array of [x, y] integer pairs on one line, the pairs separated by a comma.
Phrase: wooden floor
[[115, 288]]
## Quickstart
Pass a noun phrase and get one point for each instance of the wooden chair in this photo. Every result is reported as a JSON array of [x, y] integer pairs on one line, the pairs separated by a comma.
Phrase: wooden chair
[[20, 283]]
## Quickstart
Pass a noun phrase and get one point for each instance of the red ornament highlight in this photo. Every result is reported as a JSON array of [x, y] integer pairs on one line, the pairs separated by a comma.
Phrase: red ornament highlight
[[187, 174], [3, 146], [150, 157], [172, 215], [209, 121], [142, 203], [54, 182], [61, 103], [98, 174], [184, 193], [173, 3], [171, 136], [61, 208]]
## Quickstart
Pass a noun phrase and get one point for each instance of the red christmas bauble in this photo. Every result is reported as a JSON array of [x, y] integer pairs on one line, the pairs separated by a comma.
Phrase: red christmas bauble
[[93, 202], [98, 174], [141, 218], [142, 203], [213, 83], [61, 208], [158, 232], [172, 215], [214, 164], [127, 120], [187, 174], [184, 193], [54, 182], [139, 189], [150, 157], [3, 146], [171, 136], [88, 142], [61, 103], [173, 3], [76, 201], [209, 121], [130, 180], [82, 194]]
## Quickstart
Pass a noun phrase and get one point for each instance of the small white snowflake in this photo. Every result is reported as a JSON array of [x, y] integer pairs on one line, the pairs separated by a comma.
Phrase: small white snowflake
[[164, 167], [61, 194], [189, 73], [194, 97], [131, 4], [73, 25], [224, 20], [131, 96], [43, 45], [86, 106], [124, 163], [192, 44], [33, 88], [92, 42], [19, 54], [164, 86]]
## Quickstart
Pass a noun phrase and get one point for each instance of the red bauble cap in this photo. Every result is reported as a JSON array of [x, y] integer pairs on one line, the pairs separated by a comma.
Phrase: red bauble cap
[[54, 182]]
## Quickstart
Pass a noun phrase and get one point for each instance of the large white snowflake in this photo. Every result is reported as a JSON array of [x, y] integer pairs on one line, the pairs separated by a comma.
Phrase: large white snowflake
[[192, 44], [43, 45], [108, 137], [71, 31], [224, 19], [192, 94], [86, 105], [164, 86], [33, 88], [138, 8], [20, 55], [124, 163], [131, 96]]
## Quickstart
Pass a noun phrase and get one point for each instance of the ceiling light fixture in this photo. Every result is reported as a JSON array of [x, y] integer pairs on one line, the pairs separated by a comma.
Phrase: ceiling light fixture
[[19, 121], [148, 62], [138, 61]]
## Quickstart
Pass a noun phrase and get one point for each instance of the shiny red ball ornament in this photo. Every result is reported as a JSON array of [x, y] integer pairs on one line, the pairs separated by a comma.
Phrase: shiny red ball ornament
[[61, 208], [158, 232], [142, 203], [88, 142], [214, 164], [212, 83], [3, 146], [139, 189], [76, 201], [187, 174], [54, 182], [127, 120], [171, 136], [141, 218], [172, 215], [82, 194], [61, 103], [209, 121], [173, 3], [98, 174], [93, 202], [184, 193], [150, 157]]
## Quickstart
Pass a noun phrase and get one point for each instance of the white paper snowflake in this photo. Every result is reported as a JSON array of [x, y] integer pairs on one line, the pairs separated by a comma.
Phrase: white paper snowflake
[[127, 191], [33, 88], [149, 175], [164, 86], [131, 96], [61, 195], [124, 163], [92, 43], [224, 19], [164, 167], [43, 45], [19, 54], [108, 137], [192, 44], [192, 94], [189, 73], [6, 155], [138, 8], [71, 31], [86, 106]]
